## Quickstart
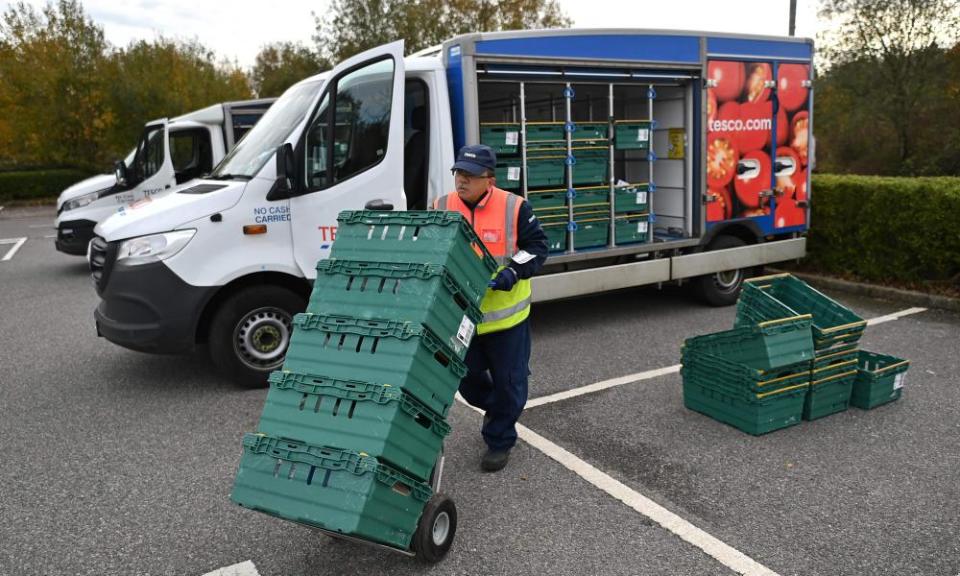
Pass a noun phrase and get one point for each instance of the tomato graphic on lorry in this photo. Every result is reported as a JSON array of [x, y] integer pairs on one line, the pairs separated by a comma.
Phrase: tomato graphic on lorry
[[758, 74], [728, 77], [758, 119], [722, 159], [753, 177]]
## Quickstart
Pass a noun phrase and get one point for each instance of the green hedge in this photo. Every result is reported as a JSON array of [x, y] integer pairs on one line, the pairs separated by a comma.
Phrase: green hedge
[[38, 184], [884, 229]]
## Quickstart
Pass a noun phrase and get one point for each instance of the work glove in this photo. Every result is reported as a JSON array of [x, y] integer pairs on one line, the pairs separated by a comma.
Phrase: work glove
[[504, 280]]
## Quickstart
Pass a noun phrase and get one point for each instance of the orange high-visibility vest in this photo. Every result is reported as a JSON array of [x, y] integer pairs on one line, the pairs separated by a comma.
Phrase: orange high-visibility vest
[[494, 219]]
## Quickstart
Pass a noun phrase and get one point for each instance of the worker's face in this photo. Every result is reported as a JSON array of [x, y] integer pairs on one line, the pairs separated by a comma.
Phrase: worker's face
[[470, 187]]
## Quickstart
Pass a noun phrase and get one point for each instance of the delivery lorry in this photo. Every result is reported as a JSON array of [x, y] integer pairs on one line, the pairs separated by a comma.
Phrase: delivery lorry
[[169, 152], [648, 156]]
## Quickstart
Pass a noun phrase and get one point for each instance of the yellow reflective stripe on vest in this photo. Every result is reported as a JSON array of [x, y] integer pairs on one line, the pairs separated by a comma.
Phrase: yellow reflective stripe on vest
[[503, 310]]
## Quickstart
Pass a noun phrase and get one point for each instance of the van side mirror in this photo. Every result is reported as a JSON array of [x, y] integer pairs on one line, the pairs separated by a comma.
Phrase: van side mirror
[[283, 186], [120, 171]]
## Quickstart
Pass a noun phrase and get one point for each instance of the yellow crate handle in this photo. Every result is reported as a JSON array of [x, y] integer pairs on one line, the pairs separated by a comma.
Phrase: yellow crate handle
[[847, 351], [780, 379], [835, 366], [782, 320], [835, 377], [892, 366], [844, 327], [782, 390]]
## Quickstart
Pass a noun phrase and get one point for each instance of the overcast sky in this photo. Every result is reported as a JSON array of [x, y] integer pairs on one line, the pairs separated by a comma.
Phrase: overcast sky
[[237, 29]]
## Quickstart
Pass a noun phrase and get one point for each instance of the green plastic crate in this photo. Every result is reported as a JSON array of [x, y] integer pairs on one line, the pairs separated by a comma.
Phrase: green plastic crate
[[556, 236], [590, 131], [547, 199], [383, 421], [553, 200], [713, 370], [632, 229], [879, 379], [402, 354], [508, 173], [503, 138], [832, 364], [444, 238], [632, 134], [756, 417], [828, 395], [561, 214], [549, 170], [545, 132], [833, 323], [336, 490], [591, 233], [422, 293], [763, 346], [592, 198], [632, 198]]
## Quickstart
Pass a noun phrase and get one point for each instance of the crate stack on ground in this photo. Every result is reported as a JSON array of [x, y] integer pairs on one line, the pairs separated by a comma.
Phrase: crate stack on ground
[[837, 372], [354, 423], [565, 171], [753, 377]]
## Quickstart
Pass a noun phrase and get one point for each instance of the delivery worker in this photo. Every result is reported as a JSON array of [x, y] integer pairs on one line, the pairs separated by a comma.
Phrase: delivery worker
[[499, 356]]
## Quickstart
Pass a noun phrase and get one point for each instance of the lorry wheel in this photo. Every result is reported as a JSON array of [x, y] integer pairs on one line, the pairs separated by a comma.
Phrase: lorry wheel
[[250, 333], [436, 529], [722, 288]]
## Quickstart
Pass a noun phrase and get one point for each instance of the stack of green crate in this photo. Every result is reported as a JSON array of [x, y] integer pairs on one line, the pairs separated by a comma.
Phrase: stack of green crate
[[754, 378], [546, 150], [836, 332], [751, 377], [354, 422], [591, 212]]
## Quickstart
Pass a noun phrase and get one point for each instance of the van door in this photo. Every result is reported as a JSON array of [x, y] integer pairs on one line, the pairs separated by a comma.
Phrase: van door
[[745, 126], [351, 152], [152, 170]]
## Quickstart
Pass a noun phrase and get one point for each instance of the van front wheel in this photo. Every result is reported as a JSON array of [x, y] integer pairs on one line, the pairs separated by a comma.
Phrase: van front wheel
[[250, 333]]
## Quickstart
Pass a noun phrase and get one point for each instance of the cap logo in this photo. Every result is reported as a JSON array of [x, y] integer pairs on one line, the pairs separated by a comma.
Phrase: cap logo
[[469, 154]]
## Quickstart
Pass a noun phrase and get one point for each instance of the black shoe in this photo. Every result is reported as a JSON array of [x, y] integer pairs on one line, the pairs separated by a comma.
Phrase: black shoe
[[494, 460]]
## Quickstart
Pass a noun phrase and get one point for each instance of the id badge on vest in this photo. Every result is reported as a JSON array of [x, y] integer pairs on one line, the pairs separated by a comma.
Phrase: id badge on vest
[[491, 235]]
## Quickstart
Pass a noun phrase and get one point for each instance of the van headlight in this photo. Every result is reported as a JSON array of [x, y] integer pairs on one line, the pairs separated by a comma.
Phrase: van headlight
[[153, 248], [80, 201]]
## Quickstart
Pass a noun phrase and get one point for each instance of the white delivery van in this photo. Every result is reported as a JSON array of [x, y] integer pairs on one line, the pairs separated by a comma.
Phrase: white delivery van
[[169, 153], [227, 261]]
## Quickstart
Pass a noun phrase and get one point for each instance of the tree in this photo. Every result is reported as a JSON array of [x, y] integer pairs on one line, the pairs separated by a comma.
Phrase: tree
[[897, 47], [51, 65], [353, 26], [282, 64], [166, 78]]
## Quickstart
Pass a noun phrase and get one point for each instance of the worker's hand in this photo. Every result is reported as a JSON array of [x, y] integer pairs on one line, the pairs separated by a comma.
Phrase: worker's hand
[[504, 280]]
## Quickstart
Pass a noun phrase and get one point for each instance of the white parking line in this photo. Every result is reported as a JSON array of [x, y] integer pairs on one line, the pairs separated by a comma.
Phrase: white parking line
[[50, 236], [243, 569], [629, 379], [17, 243], [894, 316], [717, 549]]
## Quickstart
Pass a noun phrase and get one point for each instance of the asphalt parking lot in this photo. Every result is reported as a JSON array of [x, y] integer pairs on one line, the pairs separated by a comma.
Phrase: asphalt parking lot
[[115, 462]]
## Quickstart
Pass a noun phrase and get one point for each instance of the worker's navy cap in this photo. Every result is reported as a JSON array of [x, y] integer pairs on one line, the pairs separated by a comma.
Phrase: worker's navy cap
[[476, 159]]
